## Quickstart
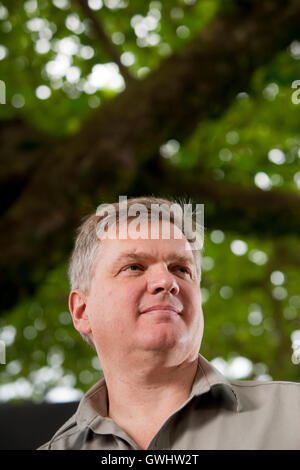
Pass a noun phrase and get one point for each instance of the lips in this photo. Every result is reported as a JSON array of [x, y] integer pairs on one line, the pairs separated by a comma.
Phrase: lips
[[163, 307]]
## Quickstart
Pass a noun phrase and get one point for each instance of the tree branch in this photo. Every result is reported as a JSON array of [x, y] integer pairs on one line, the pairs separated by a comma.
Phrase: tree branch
[[231, 206], [105, 40], [22, 150]]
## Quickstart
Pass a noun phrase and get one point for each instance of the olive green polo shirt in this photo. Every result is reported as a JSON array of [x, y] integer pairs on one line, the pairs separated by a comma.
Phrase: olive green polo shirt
[[218, 415]]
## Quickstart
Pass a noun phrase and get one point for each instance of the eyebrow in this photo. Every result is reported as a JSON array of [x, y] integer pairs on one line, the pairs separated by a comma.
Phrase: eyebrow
[[174, 257]]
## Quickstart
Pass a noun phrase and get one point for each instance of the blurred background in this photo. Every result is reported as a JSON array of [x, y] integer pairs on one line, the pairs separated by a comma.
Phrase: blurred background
[[183, 98]]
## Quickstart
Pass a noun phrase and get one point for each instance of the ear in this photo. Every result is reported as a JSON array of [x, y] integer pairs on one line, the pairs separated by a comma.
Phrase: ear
[[77, 306]]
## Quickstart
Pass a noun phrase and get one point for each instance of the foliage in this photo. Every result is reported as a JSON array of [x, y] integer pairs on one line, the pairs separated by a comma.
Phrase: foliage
[[45, 31], [250, 289]]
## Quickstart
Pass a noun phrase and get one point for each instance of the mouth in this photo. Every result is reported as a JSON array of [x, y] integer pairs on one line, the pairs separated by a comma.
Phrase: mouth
[[163, 308]]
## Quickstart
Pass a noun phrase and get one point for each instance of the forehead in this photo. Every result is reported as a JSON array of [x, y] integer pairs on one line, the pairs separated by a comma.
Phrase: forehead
[[153, 242], [165, 248]]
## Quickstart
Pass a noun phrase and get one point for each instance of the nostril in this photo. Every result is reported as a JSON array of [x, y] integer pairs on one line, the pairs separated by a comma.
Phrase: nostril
[[159, 289]]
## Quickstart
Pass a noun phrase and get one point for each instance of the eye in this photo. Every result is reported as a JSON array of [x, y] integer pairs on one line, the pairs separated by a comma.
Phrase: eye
[[182, 270], [133, 267]]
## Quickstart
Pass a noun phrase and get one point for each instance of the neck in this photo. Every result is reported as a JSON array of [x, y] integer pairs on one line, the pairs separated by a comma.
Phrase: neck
[[149, 394]]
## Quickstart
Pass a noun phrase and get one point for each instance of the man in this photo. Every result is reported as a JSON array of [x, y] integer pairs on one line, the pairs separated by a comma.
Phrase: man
[[138, 302]]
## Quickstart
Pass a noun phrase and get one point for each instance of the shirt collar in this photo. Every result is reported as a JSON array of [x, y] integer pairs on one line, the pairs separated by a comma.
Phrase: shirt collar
[[93, 404], [209, 379]]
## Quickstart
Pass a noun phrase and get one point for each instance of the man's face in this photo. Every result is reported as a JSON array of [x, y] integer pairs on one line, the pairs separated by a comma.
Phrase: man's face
[[145, 297]]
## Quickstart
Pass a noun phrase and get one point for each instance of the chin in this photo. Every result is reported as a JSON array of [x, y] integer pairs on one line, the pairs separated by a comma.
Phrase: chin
[[160, 341]]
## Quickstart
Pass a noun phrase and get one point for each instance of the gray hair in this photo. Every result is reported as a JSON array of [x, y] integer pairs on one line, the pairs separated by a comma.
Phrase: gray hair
[[86, 251]]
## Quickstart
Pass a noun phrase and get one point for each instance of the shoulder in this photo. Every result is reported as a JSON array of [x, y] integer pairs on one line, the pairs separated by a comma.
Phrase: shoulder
[[60, 438], [269, 394], [66, 436], [266, 385]]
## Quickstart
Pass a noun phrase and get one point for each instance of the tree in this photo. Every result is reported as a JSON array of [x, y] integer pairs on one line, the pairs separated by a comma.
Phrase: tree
[[204, 117]]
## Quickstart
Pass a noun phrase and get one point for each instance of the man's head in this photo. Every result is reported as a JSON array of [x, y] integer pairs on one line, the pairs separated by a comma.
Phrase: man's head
[[133, 294]]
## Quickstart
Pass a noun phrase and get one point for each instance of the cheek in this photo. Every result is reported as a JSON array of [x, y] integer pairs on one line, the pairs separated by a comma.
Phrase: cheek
[[113, 308], [193, 299]]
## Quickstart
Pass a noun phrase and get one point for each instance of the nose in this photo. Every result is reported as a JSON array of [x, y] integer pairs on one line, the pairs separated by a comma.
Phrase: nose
[[161, 280]]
